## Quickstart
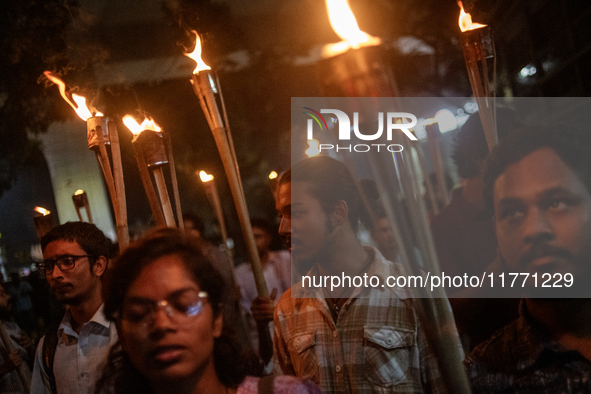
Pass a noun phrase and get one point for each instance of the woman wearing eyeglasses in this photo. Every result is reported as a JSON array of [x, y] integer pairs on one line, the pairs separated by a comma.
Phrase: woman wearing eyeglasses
[[167, 300]]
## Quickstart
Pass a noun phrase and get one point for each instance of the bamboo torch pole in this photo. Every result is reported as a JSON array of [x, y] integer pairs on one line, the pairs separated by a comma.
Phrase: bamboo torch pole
[[80, 199], [433, 142], [100, 132], [214, 199], [151, 154], [202, 85], [478, 46]]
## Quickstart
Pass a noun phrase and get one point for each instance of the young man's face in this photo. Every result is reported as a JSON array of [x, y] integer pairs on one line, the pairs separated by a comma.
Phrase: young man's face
[[304, 223], [75, 285], [543, 216]]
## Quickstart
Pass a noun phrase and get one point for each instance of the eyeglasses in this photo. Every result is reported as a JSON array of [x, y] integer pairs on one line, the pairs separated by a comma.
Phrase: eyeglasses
[[64, 263], [180, 307]]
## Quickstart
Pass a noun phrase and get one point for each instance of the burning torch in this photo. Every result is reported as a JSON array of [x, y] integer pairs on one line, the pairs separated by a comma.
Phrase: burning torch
[[478, 46], [206, 87], [81, 201], [353, 68], [102, 131], [152, 151]]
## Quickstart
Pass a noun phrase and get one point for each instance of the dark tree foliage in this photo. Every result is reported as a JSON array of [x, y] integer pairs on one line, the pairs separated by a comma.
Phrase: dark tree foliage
[[32, 39]]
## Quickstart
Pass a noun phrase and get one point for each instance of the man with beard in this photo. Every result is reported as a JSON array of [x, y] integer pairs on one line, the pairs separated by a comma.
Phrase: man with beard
[[69, 359], [538, 184], [344, 338]]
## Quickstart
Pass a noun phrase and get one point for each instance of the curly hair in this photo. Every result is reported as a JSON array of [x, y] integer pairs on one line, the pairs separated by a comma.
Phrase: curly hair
[[572, 146], [120, 376]]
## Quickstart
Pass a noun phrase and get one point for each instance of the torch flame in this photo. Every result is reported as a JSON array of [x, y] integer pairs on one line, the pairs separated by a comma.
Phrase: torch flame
[[136, 128], [196, 55], [79, 103], [205, 177], [78, 192], [466, 20], [314, 148], [273, 175], [42, 211], [345, 25]]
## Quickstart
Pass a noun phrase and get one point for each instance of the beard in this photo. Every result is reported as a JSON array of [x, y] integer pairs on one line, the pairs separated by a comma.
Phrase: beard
[[304, 264]]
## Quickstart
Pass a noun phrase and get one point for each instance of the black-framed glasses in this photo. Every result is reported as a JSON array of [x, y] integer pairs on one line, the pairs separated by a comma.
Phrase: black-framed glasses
[[180, 307], [64, 263]]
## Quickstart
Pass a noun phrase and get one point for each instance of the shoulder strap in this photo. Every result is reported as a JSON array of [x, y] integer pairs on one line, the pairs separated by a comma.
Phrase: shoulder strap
[[266, 385], [49, 346]]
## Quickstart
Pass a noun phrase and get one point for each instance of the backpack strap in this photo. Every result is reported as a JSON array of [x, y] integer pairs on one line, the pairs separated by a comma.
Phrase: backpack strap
[[49, 346], [266, 385]]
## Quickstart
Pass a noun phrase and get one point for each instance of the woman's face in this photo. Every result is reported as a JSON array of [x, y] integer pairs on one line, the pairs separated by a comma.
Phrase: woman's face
[[162, 342]]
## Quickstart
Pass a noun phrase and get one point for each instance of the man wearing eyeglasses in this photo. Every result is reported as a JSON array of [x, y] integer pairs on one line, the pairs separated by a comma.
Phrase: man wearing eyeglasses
[[70, 359]]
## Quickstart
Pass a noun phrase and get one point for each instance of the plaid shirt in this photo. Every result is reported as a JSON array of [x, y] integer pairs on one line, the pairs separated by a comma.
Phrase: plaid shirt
[[375, 346], [520, 358]]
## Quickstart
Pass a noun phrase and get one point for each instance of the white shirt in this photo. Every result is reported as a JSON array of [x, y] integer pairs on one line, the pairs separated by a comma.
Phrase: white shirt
[[277, 273], [79, 357]]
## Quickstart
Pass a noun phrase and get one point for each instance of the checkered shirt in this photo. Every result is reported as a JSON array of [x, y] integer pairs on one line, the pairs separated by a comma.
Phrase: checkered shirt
[[375, 346]]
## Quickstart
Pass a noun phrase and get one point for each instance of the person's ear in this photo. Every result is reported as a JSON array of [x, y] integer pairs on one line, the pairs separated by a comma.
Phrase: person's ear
[[218, 324], [340, 213], [99, 267]]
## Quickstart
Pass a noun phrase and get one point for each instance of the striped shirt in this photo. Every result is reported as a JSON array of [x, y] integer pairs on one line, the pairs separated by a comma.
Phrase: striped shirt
[[376, 344]]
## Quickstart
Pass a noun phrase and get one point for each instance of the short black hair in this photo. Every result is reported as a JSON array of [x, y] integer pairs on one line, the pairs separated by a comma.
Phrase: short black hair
[[571, 145], [330, 181], [470, 147], [87, 235]]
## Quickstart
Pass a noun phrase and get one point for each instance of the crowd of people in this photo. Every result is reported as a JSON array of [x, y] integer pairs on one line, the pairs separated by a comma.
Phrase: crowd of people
[[172, 315]]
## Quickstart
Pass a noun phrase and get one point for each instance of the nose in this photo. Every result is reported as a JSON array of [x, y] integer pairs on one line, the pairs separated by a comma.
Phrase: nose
[[55, 273], [285, 226], [162, 316], [537, 227]]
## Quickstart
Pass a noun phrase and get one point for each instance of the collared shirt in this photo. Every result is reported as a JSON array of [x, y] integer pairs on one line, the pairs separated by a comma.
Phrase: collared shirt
[[376, 344], [10, 383], [520, 358], [79, 357], [277, 273]]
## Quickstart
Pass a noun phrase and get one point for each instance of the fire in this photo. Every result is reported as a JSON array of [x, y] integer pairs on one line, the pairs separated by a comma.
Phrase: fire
[[313, 148], [79, 103], [136, 128], [345, 25], [78, 192], [466, 20], [273, 175], [196, 55], [205, 177], [42, 211]]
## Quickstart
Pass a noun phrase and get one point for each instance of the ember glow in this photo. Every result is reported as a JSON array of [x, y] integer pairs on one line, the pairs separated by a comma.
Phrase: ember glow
[[205, 177], [78, 103], [136, 128], [42, 211], [345, 25], [466, 20], [196, 55]]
